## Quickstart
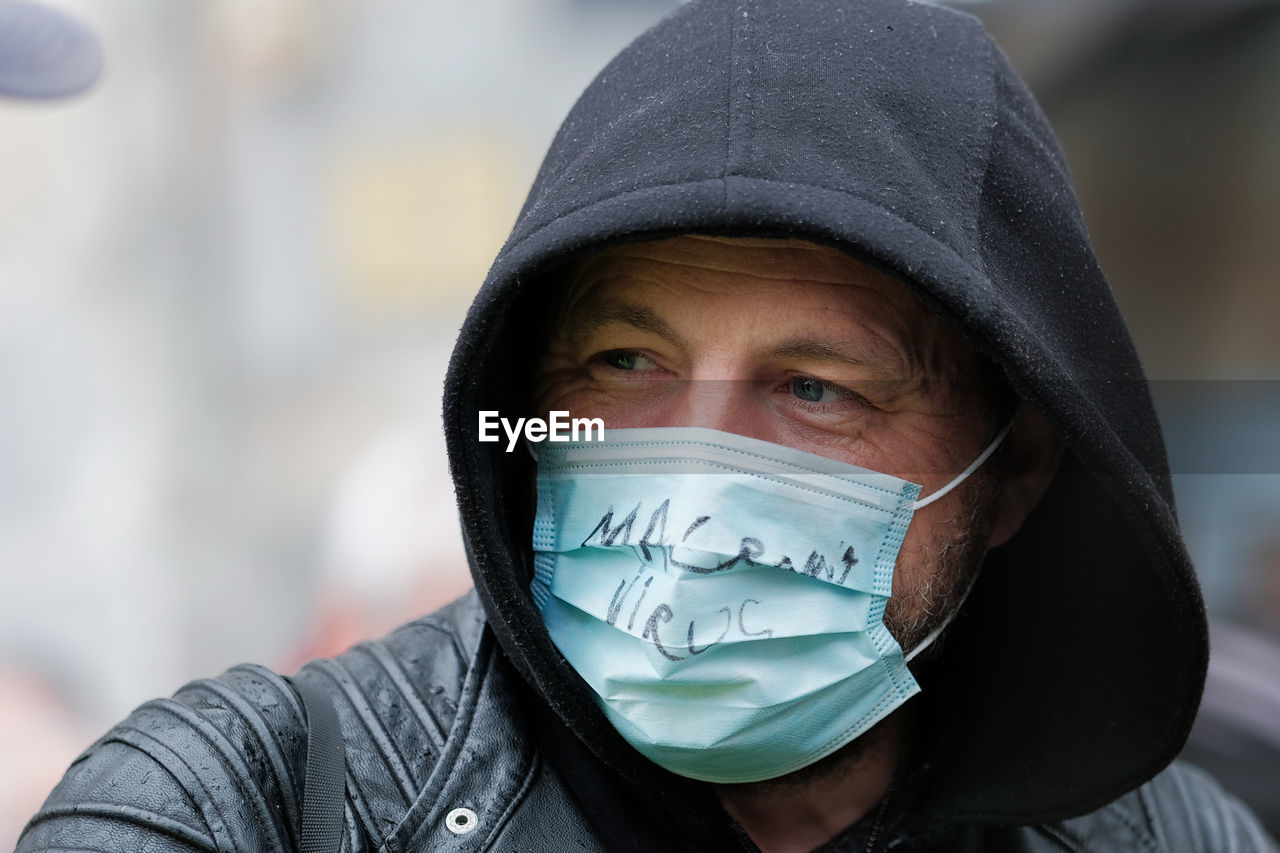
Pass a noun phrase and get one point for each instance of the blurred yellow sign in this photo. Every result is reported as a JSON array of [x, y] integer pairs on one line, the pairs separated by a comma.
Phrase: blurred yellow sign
[[416, 221]]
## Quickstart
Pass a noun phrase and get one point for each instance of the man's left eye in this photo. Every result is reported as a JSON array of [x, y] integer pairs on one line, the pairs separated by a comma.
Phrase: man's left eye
[[815, 390]]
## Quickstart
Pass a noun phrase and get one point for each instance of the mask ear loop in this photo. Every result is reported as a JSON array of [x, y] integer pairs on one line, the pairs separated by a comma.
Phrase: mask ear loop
[[977, 463], [964, 475]]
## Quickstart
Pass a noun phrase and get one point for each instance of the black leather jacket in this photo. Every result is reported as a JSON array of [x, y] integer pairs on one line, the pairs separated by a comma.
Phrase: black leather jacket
[[434, 719]]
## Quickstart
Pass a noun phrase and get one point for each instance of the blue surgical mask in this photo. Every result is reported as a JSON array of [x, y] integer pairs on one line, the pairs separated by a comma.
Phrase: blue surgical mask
[[723, 596]]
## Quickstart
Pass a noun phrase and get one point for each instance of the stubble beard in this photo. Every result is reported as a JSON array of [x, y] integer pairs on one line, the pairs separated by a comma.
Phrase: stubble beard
[[911, 615], [956, 556]]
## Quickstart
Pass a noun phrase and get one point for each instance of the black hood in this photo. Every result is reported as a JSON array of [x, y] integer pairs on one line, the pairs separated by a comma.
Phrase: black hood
[[896, 131]]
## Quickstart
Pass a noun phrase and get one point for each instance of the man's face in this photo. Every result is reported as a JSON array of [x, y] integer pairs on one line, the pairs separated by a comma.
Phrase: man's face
[[796, 344]]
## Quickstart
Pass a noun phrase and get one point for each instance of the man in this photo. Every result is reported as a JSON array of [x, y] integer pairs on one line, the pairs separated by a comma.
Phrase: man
[[877, 551]]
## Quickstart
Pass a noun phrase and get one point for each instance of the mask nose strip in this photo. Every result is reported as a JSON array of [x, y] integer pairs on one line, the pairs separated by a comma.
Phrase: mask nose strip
[[964, 475]]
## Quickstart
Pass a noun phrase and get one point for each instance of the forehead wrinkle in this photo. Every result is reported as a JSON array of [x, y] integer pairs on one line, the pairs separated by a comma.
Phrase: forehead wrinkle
[[595, 295]]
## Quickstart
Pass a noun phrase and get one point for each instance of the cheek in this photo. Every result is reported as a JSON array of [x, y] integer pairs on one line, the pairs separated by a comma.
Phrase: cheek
[[572, 389], [929, 450], [913, 567], [936, 529], [555, 387], [559, 383], [946, 538]]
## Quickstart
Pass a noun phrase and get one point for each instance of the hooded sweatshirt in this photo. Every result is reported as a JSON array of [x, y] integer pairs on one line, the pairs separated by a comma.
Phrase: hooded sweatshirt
[[896, 132]]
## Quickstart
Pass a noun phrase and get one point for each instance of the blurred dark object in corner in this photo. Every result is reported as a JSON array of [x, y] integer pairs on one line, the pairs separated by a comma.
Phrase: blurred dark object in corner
[[45, 54]]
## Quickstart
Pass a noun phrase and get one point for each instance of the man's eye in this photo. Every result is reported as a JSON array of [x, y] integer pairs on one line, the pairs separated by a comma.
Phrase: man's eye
[[816, 391], [625, 359]]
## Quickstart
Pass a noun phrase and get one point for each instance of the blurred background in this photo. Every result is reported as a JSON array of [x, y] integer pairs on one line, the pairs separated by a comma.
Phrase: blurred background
[[231, 273]]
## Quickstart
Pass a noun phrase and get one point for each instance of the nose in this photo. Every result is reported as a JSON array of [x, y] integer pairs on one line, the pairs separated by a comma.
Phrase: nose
[[721, 402]]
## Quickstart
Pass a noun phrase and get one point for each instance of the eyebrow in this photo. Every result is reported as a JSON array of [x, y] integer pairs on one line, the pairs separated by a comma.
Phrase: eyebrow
[[593, 317], [851, 354], [883, 357]]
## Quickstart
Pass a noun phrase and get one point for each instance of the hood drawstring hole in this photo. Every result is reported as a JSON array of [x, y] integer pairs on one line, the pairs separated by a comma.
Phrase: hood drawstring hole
[[461, 821]]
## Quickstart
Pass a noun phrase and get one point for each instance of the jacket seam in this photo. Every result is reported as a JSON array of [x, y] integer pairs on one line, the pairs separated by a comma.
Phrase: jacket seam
[[347, 687], [1142, 833], [234, 760], [478, 673], [134, 816], [271, 747], [357, 800], [206, 795], [391, 665], [517, 799], [1059, 834], [449, 633]]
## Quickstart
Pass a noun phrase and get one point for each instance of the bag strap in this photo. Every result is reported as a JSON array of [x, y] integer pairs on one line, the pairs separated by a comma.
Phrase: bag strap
[[326, 779]]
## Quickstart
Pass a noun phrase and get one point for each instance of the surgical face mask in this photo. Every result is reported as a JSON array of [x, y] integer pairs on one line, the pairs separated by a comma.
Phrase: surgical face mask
[[723, 596]]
